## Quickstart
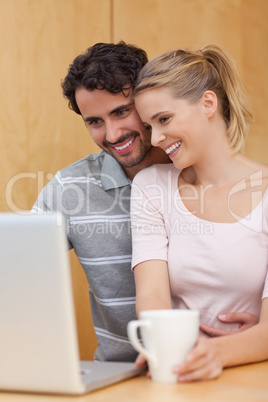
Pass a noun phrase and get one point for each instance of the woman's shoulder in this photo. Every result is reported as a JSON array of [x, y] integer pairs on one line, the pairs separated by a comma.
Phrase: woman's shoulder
[[255, 172], [156, 172], [259, 176], [257, 183]]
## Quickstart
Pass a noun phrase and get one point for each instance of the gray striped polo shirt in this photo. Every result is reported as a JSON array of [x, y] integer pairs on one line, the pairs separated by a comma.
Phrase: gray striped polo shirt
[[93, 194]]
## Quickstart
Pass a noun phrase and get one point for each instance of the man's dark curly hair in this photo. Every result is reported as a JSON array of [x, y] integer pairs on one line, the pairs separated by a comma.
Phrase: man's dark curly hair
[[109, 66]]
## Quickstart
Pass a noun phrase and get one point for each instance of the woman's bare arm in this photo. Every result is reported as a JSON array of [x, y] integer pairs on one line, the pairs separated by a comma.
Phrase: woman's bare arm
[[152, 286]]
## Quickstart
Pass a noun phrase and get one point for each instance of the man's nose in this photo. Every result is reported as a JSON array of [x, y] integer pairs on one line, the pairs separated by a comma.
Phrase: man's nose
[[113, 132]]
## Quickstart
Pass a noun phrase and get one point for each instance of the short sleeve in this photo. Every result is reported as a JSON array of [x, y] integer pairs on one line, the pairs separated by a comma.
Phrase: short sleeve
[[149, 237], [52, 199]]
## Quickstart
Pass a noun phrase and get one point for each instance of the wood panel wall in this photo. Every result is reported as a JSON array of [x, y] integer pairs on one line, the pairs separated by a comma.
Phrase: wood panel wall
[[40, 38]]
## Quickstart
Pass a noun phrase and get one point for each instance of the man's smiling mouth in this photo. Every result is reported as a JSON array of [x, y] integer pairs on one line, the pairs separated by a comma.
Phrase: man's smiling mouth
[[127, 144]]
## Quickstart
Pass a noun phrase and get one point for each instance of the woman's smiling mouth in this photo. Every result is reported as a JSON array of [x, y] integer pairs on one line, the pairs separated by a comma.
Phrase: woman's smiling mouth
[[173, 147]]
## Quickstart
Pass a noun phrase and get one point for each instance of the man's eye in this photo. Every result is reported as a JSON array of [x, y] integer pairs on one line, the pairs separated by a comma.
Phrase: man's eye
[[147, 126], [94, 123], [122, 112]]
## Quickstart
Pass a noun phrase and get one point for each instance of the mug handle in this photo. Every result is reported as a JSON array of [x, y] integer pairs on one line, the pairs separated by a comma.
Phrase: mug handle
[[133, 337]]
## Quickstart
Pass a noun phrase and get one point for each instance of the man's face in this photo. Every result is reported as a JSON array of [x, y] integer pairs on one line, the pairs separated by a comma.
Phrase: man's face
[[114, 125]]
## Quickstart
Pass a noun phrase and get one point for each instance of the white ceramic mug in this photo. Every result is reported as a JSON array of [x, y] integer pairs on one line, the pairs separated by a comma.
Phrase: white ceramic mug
[[167, 335]]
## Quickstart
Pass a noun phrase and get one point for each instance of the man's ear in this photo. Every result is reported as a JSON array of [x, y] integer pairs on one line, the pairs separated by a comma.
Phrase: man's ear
[[210, 103]]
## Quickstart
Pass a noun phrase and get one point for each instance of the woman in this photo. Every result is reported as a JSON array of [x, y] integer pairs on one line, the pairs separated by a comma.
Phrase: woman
[[200, 224]]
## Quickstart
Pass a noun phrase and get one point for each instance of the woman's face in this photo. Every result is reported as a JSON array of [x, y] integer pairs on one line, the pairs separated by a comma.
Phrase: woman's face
[[178, 126]]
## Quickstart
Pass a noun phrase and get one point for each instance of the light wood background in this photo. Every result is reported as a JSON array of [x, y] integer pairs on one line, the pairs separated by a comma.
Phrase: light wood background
[[38, 41]]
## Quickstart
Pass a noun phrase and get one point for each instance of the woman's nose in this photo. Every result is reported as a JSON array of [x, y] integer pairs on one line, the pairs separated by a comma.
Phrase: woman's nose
[[157, 137]]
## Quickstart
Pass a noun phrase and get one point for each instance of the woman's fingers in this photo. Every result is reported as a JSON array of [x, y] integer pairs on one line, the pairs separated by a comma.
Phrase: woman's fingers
[[202, 363]]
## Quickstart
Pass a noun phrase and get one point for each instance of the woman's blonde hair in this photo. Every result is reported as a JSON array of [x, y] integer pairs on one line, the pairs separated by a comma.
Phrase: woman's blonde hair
[[189, 74]]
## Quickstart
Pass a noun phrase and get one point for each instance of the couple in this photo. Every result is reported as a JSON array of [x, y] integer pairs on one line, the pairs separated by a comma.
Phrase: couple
[[191, 107]]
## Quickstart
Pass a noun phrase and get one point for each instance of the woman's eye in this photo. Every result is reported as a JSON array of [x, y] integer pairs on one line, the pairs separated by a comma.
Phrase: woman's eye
[[164, 119]]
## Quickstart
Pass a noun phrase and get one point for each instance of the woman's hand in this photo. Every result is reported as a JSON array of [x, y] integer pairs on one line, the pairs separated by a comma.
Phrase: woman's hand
[[246, 320], [202, 363]]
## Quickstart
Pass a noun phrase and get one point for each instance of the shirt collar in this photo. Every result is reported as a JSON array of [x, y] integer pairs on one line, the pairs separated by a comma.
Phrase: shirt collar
[[112, 173]]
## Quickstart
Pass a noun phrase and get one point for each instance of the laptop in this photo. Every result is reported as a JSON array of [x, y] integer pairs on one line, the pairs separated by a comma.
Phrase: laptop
[[38, 340]]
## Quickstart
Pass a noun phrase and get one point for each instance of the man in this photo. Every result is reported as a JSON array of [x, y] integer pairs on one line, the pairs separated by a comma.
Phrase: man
[[94, 193]]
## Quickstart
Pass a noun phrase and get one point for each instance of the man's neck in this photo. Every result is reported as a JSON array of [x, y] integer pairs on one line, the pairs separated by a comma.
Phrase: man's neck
[[156, 155]]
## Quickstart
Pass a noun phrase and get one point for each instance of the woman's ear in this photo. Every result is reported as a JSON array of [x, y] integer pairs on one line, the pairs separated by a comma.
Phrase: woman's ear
[[210, 103]]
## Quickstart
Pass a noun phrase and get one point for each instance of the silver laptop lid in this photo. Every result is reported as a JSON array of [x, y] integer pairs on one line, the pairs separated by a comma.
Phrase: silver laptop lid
[[38, 343]]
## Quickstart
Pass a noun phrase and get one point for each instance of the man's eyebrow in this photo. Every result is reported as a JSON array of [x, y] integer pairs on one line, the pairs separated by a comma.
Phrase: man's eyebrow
[[91, 118], [115, 110], [121, 107]]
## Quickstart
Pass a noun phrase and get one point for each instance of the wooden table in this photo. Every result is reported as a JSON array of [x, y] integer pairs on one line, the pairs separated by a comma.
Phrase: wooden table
[[242, 384]]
